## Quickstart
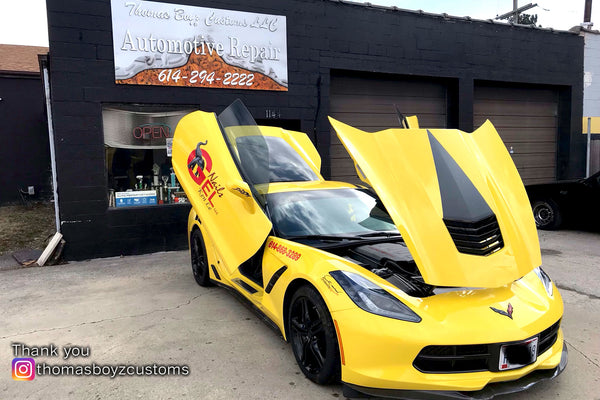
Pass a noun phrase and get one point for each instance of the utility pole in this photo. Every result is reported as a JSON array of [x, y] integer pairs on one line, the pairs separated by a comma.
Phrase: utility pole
[[587, 14], [514, 14]]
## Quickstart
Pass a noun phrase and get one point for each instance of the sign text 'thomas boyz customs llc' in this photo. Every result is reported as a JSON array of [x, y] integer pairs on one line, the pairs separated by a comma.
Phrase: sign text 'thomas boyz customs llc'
[[174, 45]]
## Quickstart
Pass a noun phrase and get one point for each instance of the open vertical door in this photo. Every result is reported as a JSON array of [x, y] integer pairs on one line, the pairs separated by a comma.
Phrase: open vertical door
[[220, 180]]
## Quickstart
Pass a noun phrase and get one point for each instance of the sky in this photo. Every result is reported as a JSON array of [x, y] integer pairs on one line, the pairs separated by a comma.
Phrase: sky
[[24, 21]]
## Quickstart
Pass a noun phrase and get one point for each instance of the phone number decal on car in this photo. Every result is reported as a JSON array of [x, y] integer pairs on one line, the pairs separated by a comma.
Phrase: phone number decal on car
[[289, 253], [228, 79]]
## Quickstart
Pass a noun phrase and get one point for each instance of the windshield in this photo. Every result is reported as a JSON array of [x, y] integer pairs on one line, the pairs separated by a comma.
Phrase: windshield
[[328, 212]]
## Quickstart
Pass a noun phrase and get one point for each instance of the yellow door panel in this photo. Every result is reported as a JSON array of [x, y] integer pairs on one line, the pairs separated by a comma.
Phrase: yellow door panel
[[223, 201]]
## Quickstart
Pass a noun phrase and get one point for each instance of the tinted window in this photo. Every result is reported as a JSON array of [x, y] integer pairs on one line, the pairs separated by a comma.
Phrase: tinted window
[[283, 163]]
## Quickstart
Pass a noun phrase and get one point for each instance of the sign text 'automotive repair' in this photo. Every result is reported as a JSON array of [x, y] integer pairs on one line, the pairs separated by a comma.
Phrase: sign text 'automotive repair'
[[174, 45]]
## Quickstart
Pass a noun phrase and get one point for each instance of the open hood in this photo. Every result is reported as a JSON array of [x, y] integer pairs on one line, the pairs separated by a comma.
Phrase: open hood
[[456, 198]]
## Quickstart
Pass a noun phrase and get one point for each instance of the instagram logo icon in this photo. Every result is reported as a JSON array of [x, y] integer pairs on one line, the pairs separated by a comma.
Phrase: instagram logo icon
[[23, 369]]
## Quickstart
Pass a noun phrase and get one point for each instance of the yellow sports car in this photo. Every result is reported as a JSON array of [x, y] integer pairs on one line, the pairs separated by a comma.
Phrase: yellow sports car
[[425, 282]]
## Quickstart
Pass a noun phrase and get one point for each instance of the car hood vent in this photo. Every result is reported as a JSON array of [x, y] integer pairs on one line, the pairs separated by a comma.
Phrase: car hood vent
[[480, 238]]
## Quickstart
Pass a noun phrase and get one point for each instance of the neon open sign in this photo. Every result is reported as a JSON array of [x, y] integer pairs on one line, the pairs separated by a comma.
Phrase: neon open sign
[[152, 131]]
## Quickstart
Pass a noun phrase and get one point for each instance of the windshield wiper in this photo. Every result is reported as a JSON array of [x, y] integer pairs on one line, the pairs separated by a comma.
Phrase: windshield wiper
[[336, 238], [380, 234]]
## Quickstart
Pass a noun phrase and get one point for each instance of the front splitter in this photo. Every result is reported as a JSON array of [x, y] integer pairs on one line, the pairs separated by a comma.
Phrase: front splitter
[[488, 392]]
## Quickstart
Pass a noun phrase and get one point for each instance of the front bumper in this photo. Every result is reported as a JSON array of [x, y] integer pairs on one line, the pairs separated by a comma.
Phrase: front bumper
[[379, 352], [488, 392]]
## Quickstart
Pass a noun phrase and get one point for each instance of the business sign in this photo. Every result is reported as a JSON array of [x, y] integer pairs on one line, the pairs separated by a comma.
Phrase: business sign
[[175, 45]]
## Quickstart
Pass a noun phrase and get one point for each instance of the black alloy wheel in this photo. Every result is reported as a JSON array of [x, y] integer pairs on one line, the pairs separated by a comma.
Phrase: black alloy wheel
[[546, 214], [313, 336], [199, 259]]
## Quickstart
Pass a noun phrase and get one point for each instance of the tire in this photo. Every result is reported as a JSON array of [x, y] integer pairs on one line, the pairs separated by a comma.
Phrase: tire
[[199, 259], [313, 336], [546, 213]]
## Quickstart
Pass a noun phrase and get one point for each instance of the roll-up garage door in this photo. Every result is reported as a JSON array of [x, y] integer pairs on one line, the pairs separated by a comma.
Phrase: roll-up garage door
[[527, 121], [367, 103]]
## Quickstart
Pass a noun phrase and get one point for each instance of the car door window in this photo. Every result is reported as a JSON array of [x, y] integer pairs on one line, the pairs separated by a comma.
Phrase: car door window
[[261, 159]]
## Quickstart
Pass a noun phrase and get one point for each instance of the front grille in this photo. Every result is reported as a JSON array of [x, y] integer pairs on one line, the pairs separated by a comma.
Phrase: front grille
[[473, 357], [480, 238], [445, 359]]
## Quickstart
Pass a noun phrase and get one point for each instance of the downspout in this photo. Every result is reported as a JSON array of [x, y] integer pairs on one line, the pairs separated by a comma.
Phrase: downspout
[[588, 158], [51, 139]]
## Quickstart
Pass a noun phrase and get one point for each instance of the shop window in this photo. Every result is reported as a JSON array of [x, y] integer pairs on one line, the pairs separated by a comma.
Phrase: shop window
[[138, 142]]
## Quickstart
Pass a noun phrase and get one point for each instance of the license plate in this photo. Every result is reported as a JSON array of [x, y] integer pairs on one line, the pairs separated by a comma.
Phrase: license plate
[[517, 355]]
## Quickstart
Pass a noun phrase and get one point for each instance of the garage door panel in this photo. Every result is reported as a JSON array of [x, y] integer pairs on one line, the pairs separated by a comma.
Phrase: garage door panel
[[516, 94], [515, 108], [385, 105], [366, 86], [526, 119], [368, 103], [532, 147], [345, 171], [338, 151], [377, 122], [525, 134], [367, 119], [345, 164], [502, 121], [534, 160]]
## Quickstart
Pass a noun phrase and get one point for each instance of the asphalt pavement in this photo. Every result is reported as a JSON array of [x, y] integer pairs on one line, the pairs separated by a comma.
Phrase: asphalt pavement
[[147, 314]]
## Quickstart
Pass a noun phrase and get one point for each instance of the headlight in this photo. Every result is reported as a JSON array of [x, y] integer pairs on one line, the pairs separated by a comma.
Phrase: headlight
[[546, 281], [372, 298]]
